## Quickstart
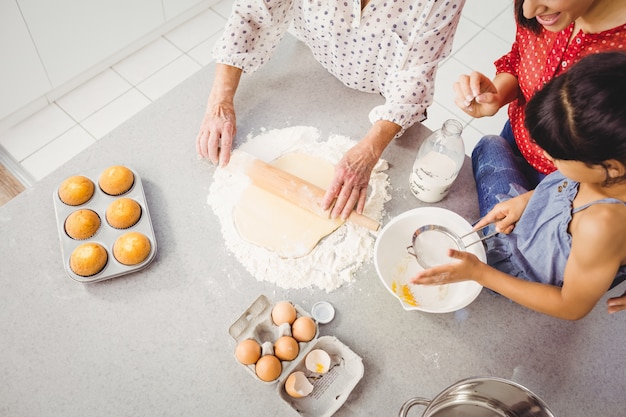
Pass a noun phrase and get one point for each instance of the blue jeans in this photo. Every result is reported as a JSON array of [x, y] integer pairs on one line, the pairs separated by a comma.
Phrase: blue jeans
[[500, 171]]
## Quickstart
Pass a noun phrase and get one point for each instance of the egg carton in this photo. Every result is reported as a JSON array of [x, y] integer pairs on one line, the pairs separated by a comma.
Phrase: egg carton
[[106, 235], [331, 389]]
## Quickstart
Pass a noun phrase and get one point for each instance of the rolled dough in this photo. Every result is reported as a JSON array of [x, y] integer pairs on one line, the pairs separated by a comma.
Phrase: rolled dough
[[282, 227]]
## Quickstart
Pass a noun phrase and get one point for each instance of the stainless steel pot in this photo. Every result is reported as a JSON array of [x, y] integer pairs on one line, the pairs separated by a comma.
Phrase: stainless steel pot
[[481, 397]]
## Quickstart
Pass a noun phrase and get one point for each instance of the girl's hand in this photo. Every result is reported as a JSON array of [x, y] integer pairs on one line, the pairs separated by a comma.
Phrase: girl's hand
[[466, 266], [477, 95], [616, 304], [505, 214]]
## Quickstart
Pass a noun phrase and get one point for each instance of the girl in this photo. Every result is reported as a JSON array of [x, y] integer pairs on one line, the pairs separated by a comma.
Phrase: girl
[[562, 245]]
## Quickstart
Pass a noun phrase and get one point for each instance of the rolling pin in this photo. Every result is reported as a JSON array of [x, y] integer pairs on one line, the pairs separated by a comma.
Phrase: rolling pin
[[290, 187]]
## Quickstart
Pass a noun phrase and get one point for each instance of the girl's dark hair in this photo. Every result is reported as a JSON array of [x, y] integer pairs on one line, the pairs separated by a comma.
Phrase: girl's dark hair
[[530, 24], [581, 114]]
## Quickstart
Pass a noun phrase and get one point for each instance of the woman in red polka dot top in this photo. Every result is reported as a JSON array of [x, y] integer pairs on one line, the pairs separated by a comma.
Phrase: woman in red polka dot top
[[551, 36]]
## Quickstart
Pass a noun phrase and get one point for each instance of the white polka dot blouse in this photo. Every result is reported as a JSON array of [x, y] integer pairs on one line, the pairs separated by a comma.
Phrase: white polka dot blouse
[[390, 47]]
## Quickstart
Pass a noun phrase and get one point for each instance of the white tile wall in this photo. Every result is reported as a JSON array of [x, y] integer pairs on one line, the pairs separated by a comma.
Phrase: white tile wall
[[51, 137], [93, 95], [147, 61], [115, 113], [197, 30]]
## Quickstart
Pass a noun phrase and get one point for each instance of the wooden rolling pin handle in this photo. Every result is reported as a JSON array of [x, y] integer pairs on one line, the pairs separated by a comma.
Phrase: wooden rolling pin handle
[[364, 221], [290, 187], [283, 184]]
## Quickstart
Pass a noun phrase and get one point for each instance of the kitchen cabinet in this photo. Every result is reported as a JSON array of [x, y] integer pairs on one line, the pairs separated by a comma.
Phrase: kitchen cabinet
[[22, 75]]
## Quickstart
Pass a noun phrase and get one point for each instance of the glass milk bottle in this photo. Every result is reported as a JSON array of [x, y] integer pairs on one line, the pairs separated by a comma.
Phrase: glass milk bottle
[[438, 163]]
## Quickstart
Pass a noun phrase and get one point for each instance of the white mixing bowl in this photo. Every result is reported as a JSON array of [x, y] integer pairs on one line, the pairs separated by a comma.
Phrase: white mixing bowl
[[395, 266]]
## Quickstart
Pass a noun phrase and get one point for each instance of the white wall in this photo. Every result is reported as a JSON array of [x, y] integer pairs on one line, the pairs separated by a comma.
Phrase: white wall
[[48, 48], [22, 76]]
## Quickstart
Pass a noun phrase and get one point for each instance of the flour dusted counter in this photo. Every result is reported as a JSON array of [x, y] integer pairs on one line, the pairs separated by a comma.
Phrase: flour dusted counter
[[156, 342]]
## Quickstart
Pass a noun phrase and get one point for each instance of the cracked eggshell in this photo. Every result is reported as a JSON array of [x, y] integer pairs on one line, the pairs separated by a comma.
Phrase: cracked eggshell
[[298, 385], [317, 361]]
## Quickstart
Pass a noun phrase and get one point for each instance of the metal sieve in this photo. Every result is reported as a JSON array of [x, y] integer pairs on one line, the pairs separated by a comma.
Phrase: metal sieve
[[431, 242]]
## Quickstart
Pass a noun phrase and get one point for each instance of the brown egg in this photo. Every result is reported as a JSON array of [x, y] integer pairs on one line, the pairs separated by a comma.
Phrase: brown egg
[[297, 385], [268, 368], [248, 351], [283, 312], [286, 348], [303, 329]]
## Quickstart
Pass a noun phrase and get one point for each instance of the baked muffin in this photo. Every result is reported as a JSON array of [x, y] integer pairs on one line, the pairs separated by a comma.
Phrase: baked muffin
[[82, 224], [88, 259], [76, 190], [123, 213], [131, 248], [116, 180]]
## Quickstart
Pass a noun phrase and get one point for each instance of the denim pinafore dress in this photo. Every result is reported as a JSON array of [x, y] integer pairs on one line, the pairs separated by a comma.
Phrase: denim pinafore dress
[[538, 248]]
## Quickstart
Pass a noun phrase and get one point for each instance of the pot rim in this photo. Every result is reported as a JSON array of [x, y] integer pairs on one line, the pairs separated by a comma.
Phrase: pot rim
[[443, 398]]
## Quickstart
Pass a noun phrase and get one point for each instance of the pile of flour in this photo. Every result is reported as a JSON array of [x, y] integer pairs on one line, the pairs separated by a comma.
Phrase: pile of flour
[[337, 257]]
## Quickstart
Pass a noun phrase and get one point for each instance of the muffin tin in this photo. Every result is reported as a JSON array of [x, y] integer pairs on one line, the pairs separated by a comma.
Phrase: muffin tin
[[106, 235], [330, 389]]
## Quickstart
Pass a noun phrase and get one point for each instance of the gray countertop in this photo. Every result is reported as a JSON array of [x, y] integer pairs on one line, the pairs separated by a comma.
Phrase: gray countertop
[[156, 342]]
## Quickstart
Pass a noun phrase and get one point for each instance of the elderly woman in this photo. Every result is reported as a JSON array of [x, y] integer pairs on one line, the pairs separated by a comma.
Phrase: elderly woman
[[389, 48]]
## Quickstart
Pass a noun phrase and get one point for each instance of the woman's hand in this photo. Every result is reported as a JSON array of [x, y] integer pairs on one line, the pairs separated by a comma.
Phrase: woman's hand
[[479, 96], [616, 304], [219, 126], [349, 185], [217, 132], [465, 266], [352, 173], [476, 95], [505, 214]]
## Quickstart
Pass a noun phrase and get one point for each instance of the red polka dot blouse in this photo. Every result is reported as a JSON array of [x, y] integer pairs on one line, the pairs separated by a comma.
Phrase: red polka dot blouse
[[535, 60]]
